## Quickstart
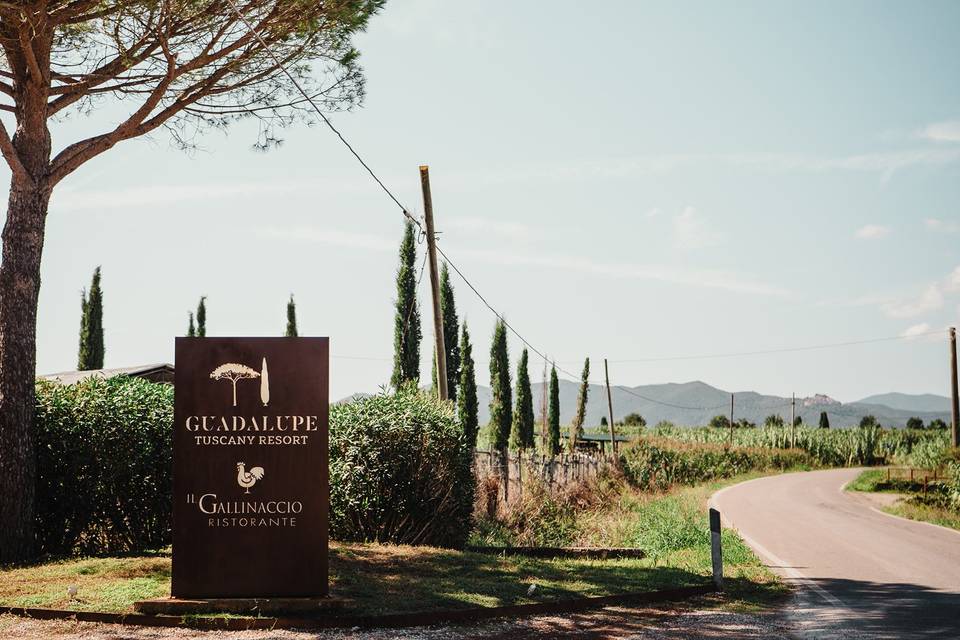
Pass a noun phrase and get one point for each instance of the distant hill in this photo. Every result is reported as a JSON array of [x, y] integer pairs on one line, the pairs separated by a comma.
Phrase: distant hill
[[910, 402], [694, 403]]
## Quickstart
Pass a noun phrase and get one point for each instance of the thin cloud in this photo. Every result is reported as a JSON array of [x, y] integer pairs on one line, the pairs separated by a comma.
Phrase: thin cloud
[[704, 278], [948, 131], [872, 232], [945, 226], [691, 232], [930, 300], [916, 330]]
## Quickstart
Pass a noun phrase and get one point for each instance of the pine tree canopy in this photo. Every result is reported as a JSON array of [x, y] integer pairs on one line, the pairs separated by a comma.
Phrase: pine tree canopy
[[191, 328], [406, 332]]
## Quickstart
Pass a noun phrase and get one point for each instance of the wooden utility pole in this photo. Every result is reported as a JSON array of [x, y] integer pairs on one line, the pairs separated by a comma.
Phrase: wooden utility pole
[[613, 438], [434, 283], [955, 430], [793, 420], [731, 419]]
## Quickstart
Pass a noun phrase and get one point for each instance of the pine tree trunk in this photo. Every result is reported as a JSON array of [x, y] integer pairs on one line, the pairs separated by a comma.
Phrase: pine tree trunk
[[19, 288]]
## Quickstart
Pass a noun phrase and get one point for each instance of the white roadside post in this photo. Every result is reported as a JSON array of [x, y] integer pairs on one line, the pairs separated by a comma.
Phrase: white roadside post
[[715, 550]]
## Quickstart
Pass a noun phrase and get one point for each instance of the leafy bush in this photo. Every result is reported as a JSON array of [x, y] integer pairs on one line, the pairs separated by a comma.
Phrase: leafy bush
[[104, 465], [400, 471], [659, 463]]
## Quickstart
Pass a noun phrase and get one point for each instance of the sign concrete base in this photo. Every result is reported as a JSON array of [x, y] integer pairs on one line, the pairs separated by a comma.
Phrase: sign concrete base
[[239, 606]]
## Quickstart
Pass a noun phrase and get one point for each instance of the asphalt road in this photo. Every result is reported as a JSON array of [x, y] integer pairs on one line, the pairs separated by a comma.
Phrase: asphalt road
[[860, 573]]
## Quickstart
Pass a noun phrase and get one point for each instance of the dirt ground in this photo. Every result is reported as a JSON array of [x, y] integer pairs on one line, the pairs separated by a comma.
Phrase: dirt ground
[[613, 622]]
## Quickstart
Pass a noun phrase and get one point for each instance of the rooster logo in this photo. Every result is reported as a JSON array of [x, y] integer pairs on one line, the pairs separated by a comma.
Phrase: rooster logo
[[247, 479]]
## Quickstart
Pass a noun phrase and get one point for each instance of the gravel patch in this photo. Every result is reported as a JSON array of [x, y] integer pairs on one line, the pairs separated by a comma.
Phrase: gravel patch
[[612, 622]]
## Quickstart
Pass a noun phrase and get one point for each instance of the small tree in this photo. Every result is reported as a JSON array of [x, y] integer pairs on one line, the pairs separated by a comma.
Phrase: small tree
[[743, 423], [868, 421], [91, 350], [603, 421], [634, 420], [521, 435], [291, 318], [937, 423], [773, 420], [798, 421], [914, 423], [576, 427], [448, 308], [720, 421], [501, 403], [553, 413], [191, 328], [467, 405], [234, 373], [406, 325], [202, 317], [824, 420]]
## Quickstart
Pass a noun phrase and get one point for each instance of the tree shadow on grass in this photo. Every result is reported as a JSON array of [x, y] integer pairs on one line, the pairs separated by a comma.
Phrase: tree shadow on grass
[[380, 580]]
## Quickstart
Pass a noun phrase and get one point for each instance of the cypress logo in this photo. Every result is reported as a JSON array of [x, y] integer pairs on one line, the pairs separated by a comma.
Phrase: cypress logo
[[234, 373]]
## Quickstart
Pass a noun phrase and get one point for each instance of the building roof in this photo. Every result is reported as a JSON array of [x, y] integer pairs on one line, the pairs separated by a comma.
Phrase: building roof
[[159, 372], [602, 437]]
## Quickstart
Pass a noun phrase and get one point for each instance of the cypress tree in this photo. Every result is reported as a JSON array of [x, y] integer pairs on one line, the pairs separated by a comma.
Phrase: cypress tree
[[91, 350], [191, 329], [291, 318], [576, 427], [824, 420], [450, 323], [501, 404], [467, 405], [521, 435], [553, 413], [202, 317], [406, 331]]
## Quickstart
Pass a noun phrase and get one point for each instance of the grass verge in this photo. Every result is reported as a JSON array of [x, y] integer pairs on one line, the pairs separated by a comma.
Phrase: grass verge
[[376, 579], [913, 505]]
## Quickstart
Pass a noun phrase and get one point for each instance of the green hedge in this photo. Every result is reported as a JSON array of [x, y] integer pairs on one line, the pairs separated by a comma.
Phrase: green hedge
[[400, 471], [659, 463], [104, 464]]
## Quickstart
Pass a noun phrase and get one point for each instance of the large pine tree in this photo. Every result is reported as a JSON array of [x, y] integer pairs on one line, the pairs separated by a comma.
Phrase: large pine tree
[[576, 427], [406, 327], [501, 403], [91, 350], [202, 317], [553, 413], [521, 435], [467, 405], [450, 323], [291, 318]]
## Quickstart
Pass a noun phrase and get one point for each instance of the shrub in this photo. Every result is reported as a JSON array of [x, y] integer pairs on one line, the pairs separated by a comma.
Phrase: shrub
[[104, 465], [400, 471]]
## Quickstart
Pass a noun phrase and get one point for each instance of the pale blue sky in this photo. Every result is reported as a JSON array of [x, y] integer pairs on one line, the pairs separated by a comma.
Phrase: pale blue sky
[[624, 179]]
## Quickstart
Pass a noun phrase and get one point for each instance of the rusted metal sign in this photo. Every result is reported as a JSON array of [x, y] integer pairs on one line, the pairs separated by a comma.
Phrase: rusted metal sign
[[251, 486]]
